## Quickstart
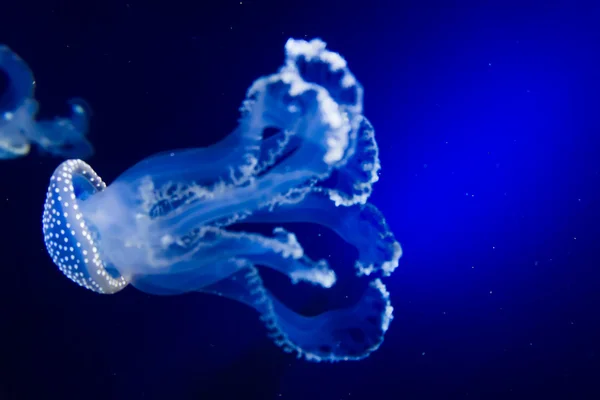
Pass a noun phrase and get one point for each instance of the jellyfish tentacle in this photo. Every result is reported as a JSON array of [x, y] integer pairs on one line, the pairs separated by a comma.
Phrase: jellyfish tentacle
[[353, 183], [362, 226], [281, 252], [229, 161], [338, 335], [315, 64]]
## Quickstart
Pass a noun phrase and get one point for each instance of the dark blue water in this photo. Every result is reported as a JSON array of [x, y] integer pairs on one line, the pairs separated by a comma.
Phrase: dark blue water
[[486, 114]]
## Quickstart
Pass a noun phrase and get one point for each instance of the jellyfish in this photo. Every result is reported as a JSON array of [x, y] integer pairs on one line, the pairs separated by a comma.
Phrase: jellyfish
[[180, 221], [63, 136]]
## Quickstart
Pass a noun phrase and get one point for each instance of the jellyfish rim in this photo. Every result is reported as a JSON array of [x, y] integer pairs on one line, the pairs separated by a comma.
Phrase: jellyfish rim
[[93, 274]]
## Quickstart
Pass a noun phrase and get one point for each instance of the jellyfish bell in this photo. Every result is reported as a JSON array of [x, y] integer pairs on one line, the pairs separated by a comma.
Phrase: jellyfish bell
[[69, 240]]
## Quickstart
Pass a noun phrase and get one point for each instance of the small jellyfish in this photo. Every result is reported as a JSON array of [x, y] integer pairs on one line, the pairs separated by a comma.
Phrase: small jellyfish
[[182, 221], [63, 137]]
